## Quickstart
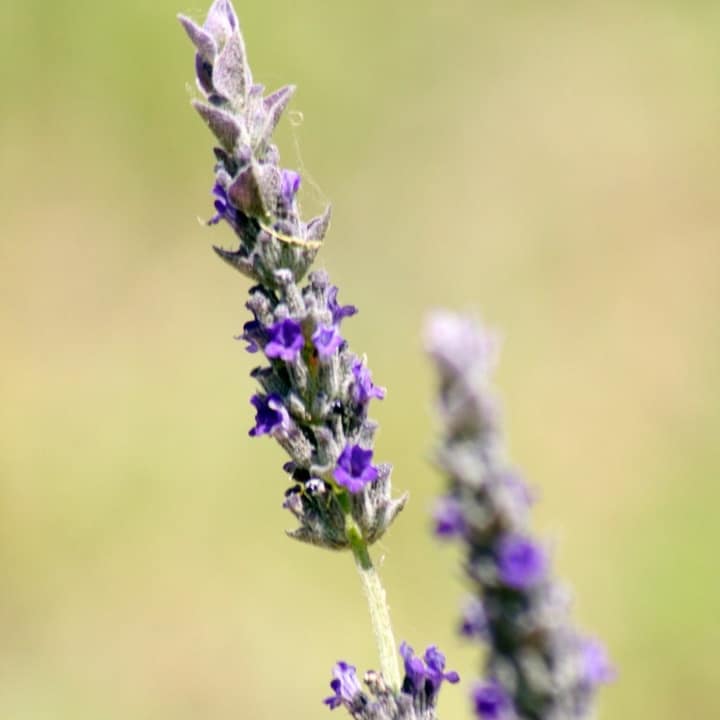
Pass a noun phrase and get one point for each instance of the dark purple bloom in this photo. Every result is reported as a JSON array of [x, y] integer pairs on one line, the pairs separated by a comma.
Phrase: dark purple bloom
[[521, 562], [491, 702], [289, 185], [363, 389], [327, 340], [286, 340], [424, 679], [435, 663], [596, 666], [415, 673], [253, 333], [270, 414], [203, 72], [448, 517], [338, 311], [344, 684], [354, 469], [474, 620], [224, 210]]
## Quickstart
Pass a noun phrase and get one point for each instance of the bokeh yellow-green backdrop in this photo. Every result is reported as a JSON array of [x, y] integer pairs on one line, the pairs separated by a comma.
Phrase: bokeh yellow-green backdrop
[[554, 166]]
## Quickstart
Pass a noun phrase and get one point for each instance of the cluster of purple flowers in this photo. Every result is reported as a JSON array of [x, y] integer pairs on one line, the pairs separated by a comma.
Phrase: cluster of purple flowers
[[314, 392], [538, 666], [416, 700]]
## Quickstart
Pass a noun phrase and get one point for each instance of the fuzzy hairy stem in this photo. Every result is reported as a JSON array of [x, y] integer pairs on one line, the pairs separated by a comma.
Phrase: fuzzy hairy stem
[[378, 606]]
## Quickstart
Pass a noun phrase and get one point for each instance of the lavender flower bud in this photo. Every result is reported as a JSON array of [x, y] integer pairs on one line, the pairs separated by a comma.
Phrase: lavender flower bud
[[347, 690], [271, 415], [254, 195], [315, 391], [538, 666], [327, 340]]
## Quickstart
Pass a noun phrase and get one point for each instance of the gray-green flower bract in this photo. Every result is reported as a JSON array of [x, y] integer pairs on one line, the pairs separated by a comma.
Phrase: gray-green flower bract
[[539, 667], [253, 194], [314, 391]]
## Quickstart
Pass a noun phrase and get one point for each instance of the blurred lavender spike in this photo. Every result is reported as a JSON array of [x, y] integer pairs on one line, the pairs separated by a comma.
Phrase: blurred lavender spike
[[539, 667]]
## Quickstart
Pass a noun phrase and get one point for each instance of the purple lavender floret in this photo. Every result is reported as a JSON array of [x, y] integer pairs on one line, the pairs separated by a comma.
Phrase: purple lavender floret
[[224, 209], [538, 666], [312, 402], [435, 662], [415, 700], [345, 686], [491, 702], [285, 340], [338, 311], [363, 389], [289, 185], [448, 517], [596, 666], [414, 669], [521, 562], [424, 677], [354, 468], [270, 415], [327, 340], [254, 334]]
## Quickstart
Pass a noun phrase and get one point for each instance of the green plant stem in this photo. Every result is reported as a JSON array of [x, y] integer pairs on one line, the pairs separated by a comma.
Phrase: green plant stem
[[377, 603]]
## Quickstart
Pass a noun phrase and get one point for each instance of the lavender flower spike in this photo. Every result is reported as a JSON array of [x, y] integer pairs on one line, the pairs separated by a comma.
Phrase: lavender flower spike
[[315, 391], [539, 667]]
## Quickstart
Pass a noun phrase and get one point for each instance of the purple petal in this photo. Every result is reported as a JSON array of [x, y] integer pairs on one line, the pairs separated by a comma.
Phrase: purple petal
[[327, 340], [285, 340], [363, 389], [491, 701], [521, 562], [354, 469], [345, 686], [448, 517], [270, 415]]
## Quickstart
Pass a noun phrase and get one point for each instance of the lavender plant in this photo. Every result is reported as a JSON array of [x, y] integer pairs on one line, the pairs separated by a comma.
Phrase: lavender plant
[[314, 392], [314, 396], [538, 666]]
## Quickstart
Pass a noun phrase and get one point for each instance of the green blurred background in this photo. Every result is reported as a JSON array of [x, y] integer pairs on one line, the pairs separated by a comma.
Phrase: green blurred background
[[554, 166]]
